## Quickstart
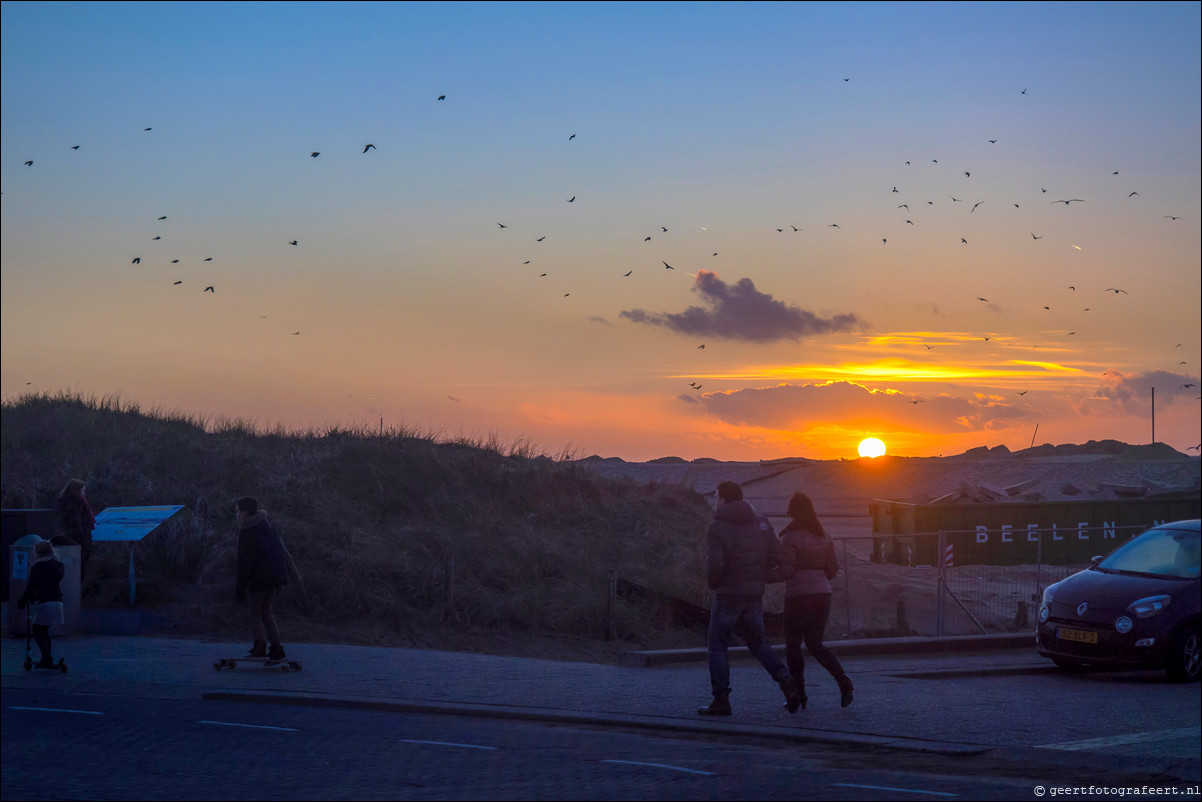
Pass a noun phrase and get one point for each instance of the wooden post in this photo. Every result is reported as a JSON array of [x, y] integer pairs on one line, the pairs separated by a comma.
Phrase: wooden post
[[611, 604]]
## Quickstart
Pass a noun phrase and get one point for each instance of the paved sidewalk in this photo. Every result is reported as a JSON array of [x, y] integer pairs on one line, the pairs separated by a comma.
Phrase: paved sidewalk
[[897, 705]]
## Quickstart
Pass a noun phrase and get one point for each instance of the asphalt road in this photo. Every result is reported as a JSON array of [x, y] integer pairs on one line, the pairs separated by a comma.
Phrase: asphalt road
[[86, 746]]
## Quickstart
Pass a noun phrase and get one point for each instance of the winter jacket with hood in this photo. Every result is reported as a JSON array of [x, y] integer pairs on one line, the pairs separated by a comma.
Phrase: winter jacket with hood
[[809, 563], [262, 564], [742, 551]]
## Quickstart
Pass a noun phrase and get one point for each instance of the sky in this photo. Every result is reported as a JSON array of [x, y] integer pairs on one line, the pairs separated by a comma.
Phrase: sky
[[731, 230]]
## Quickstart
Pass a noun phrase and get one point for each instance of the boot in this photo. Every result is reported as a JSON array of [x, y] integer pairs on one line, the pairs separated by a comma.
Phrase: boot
[[276, 652], [845, 689], [719, 707], [792, 692], [258, 649], [801, 687]]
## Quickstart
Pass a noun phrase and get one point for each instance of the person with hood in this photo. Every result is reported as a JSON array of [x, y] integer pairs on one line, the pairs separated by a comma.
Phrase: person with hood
[[262, 571], [742, 553], [808, 567], [76, 520], [44, 587]]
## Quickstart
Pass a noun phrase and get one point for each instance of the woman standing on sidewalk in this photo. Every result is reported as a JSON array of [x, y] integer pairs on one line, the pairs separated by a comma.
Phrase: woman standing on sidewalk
[[76, 520], [809, 565]]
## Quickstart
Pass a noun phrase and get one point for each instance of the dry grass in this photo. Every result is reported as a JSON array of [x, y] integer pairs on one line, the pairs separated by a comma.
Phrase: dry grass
[[374, 519]]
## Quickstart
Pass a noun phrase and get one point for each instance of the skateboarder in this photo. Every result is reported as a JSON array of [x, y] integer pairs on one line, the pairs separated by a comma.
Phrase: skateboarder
[[44, 587], [262, 571]]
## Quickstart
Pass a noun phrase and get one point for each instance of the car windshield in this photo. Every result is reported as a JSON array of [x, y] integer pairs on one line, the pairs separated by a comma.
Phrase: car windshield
[[1164, 552]]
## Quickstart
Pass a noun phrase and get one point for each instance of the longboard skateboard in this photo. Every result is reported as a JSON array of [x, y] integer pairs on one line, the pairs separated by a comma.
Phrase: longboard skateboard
[[268, 662], [59, 666]]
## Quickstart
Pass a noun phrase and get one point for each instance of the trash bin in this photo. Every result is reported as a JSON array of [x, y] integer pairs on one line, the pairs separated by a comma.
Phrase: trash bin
[[21, 558]]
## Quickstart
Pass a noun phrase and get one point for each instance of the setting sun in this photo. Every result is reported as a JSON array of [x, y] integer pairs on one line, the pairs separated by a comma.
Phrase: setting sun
[[872, 447]]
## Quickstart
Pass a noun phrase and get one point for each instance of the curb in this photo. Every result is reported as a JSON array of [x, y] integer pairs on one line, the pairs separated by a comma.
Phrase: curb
[[918, 645], [553, 716]]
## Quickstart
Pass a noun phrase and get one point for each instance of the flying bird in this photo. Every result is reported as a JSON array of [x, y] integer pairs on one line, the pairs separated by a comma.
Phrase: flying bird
[[137, 260], [1071, 287], [175, 261], [974, 206], [152, 239], [1023, 92], [572, 199], [928, 347], [526, 262], [1024, 392], [661, 228], [75, 147], [646, 239], [795, 228], [1171, 217], [967, 174], [701, 347], [1067, 202], [905, 206], [964, 240], [628, 272], [367, 148], [668, 266], [1035, 237], [911, 222], [540, 239], [986, 300], [208, 259], [164, 217], [295, 333], [177, 283], [210, 289], [993, 142], [293, 242], [573, 136], [315, 154], [442, 97], [1133, 195], [954, 198], [1116, 291], [29, 163], [833, 225], [502, 225], [895, 189], [917, 401]]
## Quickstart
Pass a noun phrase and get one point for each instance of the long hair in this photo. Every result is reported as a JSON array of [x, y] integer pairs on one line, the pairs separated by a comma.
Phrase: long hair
[[801, 510], [72, 488]]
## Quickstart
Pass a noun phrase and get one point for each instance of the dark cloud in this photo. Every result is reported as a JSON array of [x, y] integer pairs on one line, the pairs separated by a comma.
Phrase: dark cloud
[[795, 407], [1134, 393], [741, 312]]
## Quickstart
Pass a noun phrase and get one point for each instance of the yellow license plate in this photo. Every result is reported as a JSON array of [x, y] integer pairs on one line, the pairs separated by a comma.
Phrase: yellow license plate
[[1078, 635]]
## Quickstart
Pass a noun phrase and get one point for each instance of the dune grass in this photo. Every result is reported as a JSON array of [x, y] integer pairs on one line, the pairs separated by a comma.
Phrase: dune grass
[[378, 521]]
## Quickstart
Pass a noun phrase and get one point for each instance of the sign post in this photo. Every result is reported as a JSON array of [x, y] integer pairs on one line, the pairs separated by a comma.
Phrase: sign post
[[129, 525]]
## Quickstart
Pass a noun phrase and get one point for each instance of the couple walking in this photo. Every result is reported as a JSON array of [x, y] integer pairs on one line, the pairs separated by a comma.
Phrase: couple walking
[[744, 554]]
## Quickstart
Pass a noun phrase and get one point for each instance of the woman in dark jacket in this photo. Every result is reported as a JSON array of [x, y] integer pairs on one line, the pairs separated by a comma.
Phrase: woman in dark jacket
[[76, 520], [809, 565], [262, 571], [43, 587]]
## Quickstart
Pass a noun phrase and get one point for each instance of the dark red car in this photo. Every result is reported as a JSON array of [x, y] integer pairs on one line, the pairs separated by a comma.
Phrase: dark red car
[[1137, 607]]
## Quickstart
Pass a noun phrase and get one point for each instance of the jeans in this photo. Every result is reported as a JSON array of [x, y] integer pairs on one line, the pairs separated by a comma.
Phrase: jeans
[[805, 622], [262, 619], [742, 616]]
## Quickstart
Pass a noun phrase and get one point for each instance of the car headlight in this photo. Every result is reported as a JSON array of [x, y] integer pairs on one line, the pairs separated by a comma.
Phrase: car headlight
[[1123, 625], [1049, 592], [1148, 607], [1044, 612]]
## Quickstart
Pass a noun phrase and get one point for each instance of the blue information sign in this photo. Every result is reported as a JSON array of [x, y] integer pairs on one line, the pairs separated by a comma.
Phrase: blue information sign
[[131, 524]]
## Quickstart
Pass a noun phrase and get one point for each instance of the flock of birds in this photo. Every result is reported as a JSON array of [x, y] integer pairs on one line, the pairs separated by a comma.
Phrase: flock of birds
[[906, 219]]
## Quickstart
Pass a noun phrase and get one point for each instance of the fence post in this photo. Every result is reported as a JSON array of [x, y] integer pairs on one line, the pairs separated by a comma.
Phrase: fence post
[[939, 606], [609, 607]]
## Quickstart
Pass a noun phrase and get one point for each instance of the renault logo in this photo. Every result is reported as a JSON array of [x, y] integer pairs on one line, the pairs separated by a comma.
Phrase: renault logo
[[1081, 608]]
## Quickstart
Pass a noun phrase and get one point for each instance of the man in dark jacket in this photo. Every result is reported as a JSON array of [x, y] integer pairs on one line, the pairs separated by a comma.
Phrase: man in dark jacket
[[262, 571], [742, 552]]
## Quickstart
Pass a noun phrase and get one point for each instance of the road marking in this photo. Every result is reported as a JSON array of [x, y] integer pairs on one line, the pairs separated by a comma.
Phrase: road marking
[[889, 788], [60, 710], [1121, 740], [249, 726], [446, 743], [660, 766]]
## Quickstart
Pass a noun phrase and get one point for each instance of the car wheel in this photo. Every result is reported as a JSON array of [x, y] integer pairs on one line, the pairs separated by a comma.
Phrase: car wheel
[[1066, 664], [1185, 662]]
